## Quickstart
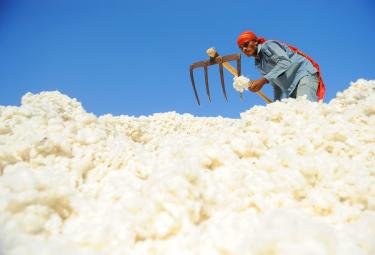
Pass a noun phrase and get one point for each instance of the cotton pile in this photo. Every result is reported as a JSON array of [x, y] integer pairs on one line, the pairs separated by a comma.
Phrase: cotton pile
[[293, 177]]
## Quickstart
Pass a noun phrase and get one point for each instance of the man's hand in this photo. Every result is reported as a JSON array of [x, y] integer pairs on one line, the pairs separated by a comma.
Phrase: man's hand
[[257, 85]]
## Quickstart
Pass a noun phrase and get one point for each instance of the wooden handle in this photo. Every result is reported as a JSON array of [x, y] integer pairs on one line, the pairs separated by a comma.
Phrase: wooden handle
[[212, 53]]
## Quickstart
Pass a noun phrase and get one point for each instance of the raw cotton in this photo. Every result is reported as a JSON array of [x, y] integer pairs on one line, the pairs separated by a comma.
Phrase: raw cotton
[[293, 177], [240, 83]]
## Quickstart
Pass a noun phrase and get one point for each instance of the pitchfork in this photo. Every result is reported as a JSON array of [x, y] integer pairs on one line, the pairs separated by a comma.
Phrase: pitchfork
[[215, 58]]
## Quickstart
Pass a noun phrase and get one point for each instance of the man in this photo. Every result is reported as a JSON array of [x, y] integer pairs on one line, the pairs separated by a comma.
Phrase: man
[[287, 69]]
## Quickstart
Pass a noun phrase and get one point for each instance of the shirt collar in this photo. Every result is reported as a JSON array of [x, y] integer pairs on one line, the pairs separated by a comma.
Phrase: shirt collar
[[258, 51]]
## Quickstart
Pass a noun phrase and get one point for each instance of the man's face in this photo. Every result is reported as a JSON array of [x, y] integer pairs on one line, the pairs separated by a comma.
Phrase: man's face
[[249, 48]]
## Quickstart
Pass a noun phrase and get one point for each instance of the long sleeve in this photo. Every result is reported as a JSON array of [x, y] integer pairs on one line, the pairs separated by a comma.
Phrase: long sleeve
[[279, 56], [276, 93]]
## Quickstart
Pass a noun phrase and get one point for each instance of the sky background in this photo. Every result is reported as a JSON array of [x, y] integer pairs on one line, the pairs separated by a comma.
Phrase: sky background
[[133, 57]]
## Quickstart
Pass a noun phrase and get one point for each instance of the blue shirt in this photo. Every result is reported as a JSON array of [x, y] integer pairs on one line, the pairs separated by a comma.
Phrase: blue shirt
[[282, 67]]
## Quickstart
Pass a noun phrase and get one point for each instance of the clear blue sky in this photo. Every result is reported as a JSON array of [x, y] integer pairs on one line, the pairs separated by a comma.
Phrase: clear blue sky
[[133, 57]]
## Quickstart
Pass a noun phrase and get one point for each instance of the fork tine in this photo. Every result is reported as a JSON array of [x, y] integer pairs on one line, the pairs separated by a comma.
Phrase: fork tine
[[206, 80], [222, 80], [193, 83], [239, 66], [239, 72]]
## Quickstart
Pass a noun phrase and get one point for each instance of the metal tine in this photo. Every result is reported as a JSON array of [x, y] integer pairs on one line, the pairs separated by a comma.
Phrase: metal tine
[[239, 66], [193, 83], [222, 80], [239, 73], [206, 80]]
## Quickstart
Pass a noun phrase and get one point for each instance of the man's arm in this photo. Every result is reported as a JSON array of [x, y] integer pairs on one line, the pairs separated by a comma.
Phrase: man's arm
[[279, 56], [276, 93]]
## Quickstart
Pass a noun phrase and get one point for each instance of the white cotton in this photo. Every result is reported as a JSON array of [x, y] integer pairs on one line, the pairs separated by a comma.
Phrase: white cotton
[[292, 177], [240, 83]]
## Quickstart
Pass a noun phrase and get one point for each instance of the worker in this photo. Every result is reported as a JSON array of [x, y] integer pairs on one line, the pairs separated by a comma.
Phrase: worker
[[291, 72]]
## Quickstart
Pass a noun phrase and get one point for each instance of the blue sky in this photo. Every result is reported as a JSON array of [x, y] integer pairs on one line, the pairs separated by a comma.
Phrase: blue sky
[[133, 57]]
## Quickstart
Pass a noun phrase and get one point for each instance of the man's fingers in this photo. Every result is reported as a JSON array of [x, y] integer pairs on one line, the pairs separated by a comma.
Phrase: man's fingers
[[251, 85], [255, 86]]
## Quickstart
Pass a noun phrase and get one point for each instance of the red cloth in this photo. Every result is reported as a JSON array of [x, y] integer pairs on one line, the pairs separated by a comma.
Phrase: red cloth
[[249, 36]]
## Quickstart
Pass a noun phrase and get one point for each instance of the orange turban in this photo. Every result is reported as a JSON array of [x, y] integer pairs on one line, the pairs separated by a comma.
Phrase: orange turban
[[248, 36]]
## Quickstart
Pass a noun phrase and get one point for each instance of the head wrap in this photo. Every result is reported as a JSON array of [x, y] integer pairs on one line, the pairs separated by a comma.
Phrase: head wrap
[[248, 36]]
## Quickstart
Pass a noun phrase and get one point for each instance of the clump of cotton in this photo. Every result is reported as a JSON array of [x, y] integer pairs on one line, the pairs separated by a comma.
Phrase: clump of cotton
[[292, 177], [240, 83]]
